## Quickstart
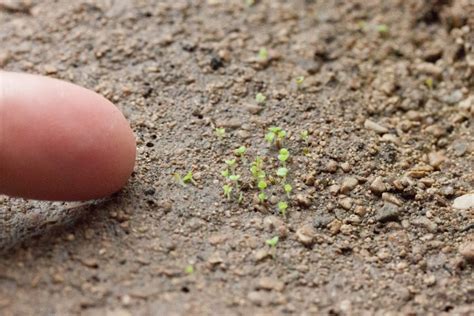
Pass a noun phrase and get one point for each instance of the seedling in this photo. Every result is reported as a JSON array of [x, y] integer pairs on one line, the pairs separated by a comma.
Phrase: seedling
[[275, 135], [282, 172], [227, 190], [220, 132], [262, 185], [282, 206], [240, 152], [189, 269], [260, 98], [272, 242], [263, 54], [256, 169], [177, 177], [288, 188], [429, 83], [225, 173], [304, 136], [231, 163], [249, 3], [234, 177], [283, 155], [189, 178], [299, 81], [382, 29]]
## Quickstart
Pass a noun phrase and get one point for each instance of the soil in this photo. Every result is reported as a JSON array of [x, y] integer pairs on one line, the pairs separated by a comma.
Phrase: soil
[[388, 103]]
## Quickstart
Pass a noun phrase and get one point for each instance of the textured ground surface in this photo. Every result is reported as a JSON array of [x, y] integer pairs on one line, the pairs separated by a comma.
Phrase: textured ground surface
[[370, 229]]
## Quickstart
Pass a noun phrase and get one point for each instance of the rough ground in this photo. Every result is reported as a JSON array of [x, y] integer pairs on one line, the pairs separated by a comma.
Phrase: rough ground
[[388, 100]]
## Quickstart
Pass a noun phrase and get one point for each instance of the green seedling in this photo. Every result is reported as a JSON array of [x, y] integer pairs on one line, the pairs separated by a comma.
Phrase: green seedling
[[262, 185], [234, 177], [240, 152], [263, 54], [299, 81], [189, 269], [262, 197], [260, 98], [227, 190], [283, 155], [241, 198], [177, 177], [189, 178], [288, 188], [220, 132], [282, 206], [282, 172], [249, 3], [304, 136], [225, 173], [275, 135], [231, 163], [272, 242], [382, 29], [429, 83]]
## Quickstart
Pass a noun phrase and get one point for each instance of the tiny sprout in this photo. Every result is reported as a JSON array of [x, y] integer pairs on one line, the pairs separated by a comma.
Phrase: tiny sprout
[[225, 173], [249, 3], [262, 185], [272, 242], [227, 190], [275, 134], [282, 172], [269, 137], [234, 177], [283, 155], [429, 83], [189, 269], [241, 197], [230, 162], [263, 53], [220, 132], [288, 188], [282, 206], [240, 151], [260, 98], [304, 135], [262, 197], [382, 29], [299, 80], [189, 178], [178, 178]]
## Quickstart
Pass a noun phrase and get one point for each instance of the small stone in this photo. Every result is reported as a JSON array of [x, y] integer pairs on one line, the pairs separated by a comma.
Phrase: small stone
[[331, 166], [230, 123], [346, 167], [429, 69], [4, 58], [262, 254], [464, 202], [436, 159], [257, 298], [215, 259], [251, 108], [348, 184], [467, 250], [452, 98], [387, 213], [270, 284], [425, 222], [306, 234], [360, 210], [388, 197], [334, 189], [49, 69], [335, 226], [346, 229], [346, 203], [378, 186], [275, 224], [321, 221], [429, 280], [375, 127], [303, 200]]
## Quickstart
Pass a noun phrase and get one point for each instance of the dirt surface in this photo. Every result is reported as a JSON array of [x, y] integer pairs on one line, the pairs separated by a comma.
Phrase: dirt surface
[[388, 103]]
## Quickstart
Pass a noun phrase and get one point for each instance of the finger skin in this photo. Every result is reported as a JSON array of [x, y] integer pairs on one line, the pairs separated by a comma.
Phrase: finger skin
[[59, 141]]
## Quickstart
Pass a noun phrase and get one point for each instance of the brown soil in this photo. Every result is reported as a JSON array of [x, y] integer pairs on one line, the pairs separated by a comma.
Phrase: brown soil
[[370, 228]]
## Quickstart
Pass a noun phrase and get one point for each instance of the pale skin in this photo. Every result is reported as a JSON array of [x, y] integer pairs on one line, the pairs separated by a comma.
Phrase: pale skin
[[59, 141]]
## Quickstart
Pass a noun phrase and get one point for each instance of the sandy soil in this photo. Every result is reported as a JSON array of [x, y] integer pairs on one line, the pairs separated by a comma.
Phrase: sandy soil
[[387, 100]]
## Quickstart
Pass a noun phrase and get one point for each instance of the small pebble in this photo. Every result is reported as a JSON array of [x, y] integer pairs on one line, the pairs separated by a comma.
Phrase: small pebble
[[467, 250], [267, 283], [378, 186], [375, 127], [306, 234], [387, 213], [464, 202], [348, 184]]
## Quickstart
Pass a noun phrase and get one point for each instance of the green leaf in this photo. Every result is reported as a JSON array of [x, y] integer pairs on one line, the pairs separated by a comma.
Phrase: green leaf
[[269, 137], [288, 188], [282, 172], [263, 53], [234, 177], [189, 269], [299, 80], [225, 173], [188, 177], [283, 154], [230, 162], [240, 151], [220, 132], [262, 197], [260, 98], [272, 242], [262, 185]]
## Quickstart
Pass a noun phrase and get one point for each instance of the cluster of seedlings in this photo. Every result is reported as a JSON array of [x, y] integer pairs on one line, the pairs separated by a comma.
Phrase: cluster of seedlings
[[260, 176]]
